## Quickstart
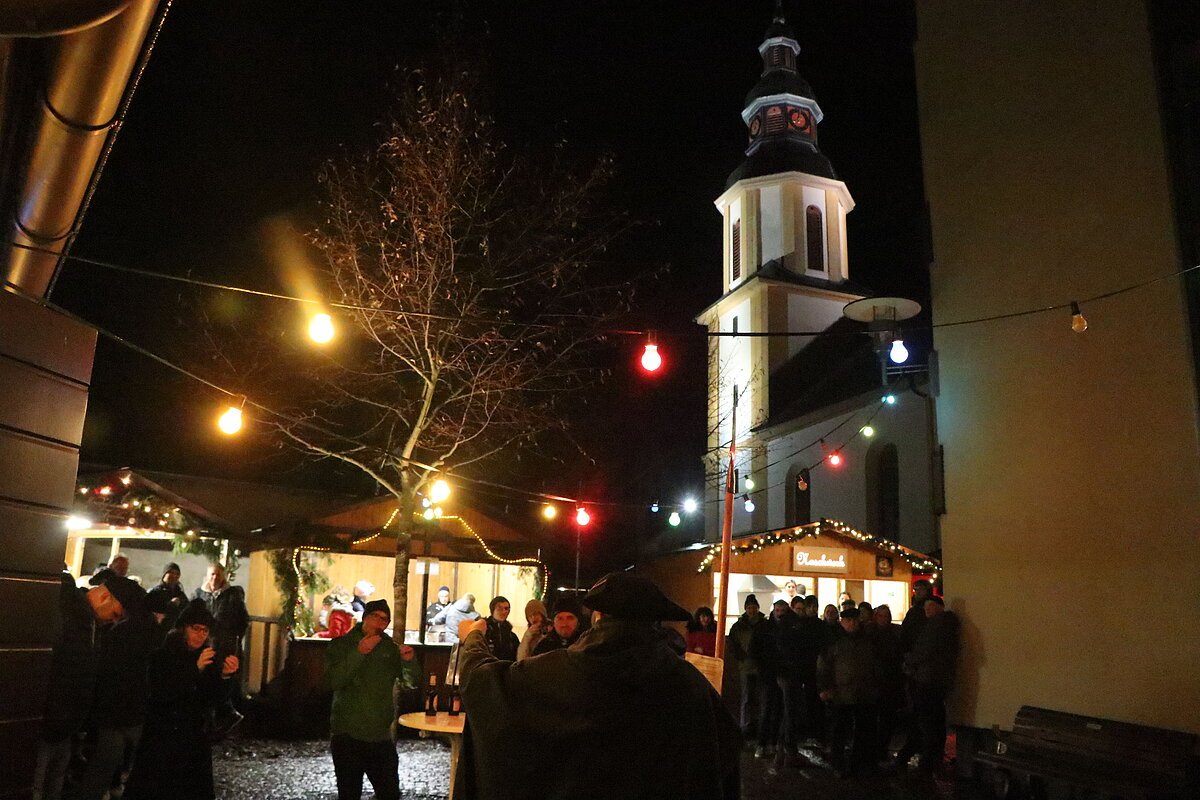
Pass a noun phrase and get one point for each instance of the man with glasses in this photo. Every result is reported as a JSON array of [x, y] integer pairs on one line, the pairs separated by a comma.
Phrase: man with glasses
[[363, 667]]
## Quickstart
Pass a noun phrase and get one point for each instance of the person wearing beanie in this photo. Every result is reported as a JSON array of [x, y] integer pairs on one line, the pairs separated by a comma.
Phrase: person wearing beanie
[[363, 666], [738, 645], [435, 608], [188, 678], [119, 703], [500, 637], [848, 674], [166, 600], [538, 628], [622, 713], [567, 627]]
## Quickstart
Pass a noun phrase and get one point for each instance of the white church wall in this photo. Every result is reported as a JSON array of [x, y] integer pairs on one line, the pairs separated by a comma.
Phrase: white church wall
[[808, 312], [770, 199]]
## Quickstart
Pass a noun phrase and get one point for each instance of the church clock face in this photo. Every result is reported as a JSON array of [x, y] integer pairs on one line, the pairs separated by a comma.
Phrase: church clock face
[[799, 120], [755, 127]]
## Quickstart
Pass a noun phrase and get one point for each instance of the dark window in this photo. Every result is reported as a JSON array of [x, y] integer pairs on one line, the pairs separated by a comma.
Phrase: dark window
[[816, 238], [735, 255], [775, 56], [883, 490], [799, 500]]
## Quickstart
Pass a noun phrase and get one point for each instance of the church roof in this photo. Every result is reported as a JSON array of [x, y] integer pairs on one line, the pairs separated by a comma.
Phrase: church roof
[[835, 366], [785, 155], [776, 271], [780, 81]]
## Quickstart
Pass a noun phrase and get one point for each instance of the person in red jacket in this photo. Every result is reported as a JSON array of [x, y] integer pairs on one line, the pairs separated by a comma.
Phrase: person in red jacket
[[702, 633]]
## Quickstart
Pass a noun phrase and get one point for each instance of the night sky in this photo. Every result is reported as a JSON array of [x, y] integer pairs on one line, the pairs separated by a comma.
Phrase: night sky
[[242, 102]]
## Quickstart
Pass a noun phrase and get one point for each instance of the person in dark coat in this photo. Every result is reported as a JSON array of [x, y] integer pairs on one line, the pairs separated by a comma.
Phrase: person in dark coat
[[914, 620], [622, 714], [813, 637], [565, 629], [227, 604], [848, 673], [500, 637], [71, 684], [886, 638], [435, 608], [930, 667], [186, 681], [119, 701], [165, 601], [738, 645], [454, 614], [765, 649], [702, 633]]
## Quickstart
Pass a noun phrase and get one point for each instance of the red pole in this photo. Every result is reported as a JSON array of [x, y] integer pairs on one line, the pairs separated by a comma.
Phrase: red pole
[[726, 532]]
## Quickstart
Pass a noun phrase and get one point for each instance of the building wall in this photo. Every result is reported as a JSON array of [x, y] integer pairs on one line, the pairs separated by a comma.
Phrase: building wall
[[1071, 468]]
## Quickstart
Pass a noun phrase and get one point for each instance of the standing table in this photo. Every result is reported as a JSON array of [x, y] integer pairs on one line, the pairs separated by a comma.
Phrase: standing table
[[444, 725]]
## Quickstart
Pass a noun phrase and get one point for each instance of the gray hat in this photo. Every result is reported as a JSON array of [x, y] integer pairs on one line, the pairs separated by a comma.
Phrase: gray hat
[[627, 596]]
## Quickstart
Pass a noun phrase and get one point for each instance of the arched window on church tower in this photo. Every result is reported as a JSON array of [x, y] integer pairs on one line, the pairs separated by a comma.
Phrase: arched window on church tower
[[799, 501], [735, 254], [883, 490], [815, 235]]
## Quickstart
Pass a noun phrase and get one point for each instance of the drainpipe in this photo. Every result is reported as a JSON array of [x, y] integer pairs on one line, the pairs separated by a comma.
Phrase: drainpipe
[[80, 110]]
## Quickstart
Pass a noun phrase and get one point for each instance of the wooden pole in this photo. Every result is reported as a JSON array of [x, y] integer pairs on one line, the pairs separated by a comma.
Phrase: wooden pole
[[726, 532]]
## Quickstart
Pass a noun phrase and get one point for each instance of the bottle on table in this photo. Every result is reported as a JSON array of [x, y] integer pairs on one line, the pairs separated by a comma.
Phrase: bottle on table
[[455, 701], [431, 696]]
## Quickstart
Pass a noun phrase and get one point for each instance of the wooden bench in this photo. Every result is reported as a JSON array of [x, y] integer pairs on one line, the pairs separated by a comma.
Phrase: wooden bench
[[1118, 759]]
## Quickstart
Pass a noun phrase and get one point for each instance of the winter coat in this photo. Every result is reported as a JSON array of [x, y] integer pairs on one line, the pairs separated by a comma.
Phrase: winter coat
[[812, 636], [739, 642], [167, 599], [174, 758], [886, 639], [910, 628], [450, 616], [552, 641], [362, 685], [935, 654], [703, 641], [121, 685], [850, 671], [433, 610], [764, 647], [230, 618], [530, 639], [72, 679], [621, 714], [501, 639]]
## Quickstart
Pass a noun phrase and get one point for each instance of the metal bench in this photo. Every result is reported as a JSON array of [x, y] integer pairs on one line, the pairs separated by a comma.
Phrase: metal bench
[[1117, 759]]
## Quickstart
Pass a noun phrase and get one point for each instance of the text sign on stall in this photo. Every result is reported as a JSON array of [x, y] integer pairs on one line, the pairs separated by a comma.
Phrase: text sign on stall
[[818, 559]]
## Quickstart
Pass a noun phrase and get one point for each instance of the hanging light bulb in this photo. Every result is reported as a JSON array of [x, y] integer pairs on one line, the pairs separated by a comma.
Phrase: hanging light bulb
[[549, 511], [425, 502], [230, 421], [749, 483], [320, 328], [651, 358], [674, 519], [1078, 323], [867, 431], [890, 399], [428, 513], [440, 491], [747, 503], [835, 459], [898, 353], [654, 507], [690, 505], [582, 517], [801, 484]]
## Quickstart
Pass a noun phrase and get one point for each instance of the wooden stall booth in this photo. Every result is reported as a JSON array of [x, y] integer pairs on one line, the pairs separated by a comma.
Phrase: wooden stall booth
[[824, 558]]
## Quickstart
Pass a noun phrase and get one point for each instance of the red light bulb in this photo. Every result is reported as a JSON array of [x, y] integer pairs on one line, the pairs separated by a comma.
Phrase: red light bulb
[[582, 517], [835, 459], [651, 358]]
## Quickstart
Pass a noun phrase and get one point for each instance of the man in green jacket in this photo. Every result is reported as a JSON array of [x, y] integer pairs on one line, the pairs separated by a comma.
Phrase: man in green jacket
[[363, 667]]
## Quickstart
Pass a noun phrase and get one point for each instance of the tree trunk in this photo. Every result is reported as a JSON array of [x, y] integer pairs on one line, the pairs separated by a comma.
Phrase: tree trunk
[[404, 527]]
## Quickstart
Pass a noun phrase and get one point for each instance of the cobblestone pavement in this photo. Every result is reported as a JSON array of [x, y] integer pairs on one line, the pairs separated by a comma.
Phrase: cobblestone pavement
[[248, 769]]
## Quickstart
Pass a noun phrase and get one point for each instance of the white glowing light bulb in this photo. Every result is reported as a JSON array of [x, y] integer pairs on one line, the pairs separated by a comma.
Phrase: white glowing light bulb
[[320, 328], [899, 353], [230, 422], [440, 491]]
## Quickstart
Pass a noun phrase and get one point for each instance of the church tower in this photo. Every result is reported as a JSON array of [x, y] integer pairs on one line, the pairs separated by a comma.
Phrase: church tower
[[784, 264]]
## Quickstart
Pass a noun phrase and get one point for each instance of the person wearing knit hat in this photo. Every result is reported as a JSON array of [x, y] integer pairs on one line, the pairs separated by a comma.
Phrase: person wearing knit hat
[[538, 627], [738, 647], [166, 600], [194, 613], [622, 713], [363, 666], [436, 607]]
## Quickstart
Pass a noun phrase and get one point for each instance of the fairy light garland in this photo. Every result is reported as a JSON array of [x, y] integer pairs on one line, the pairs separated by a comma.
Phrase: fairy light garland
[[510, 561], [919, 562]]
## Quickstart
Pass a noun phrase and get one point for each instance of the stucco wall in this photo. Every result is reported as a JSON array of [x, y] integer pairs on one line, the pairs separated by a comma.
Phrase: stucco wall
[[1072, 477]]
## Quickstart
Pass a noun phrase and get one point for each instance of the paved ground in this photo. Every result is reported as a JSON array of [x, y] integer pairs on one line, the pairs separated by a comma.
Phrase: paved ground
[[255, 768]]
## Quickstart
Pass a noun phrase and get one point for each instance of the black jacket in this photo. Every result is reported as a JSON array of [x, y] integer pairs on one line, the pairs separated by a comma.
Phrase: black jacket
[[230, 618], [624, 717], [72, 679], [739, 639], [935, 654], [501, 640], [175, 759], [167, 599], [552, 641], [121, 688], [849, 670]]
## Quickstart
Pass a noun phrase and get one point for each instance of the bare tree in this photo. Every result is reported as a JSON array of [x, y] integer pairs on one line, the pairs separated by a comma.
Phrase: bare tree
[[477, 312]]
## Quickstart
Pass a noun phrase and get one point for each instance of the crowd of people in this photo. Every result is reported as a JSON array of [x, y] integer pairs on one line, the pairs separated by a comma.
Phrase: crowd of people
[[140, 684], [846, 679]]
